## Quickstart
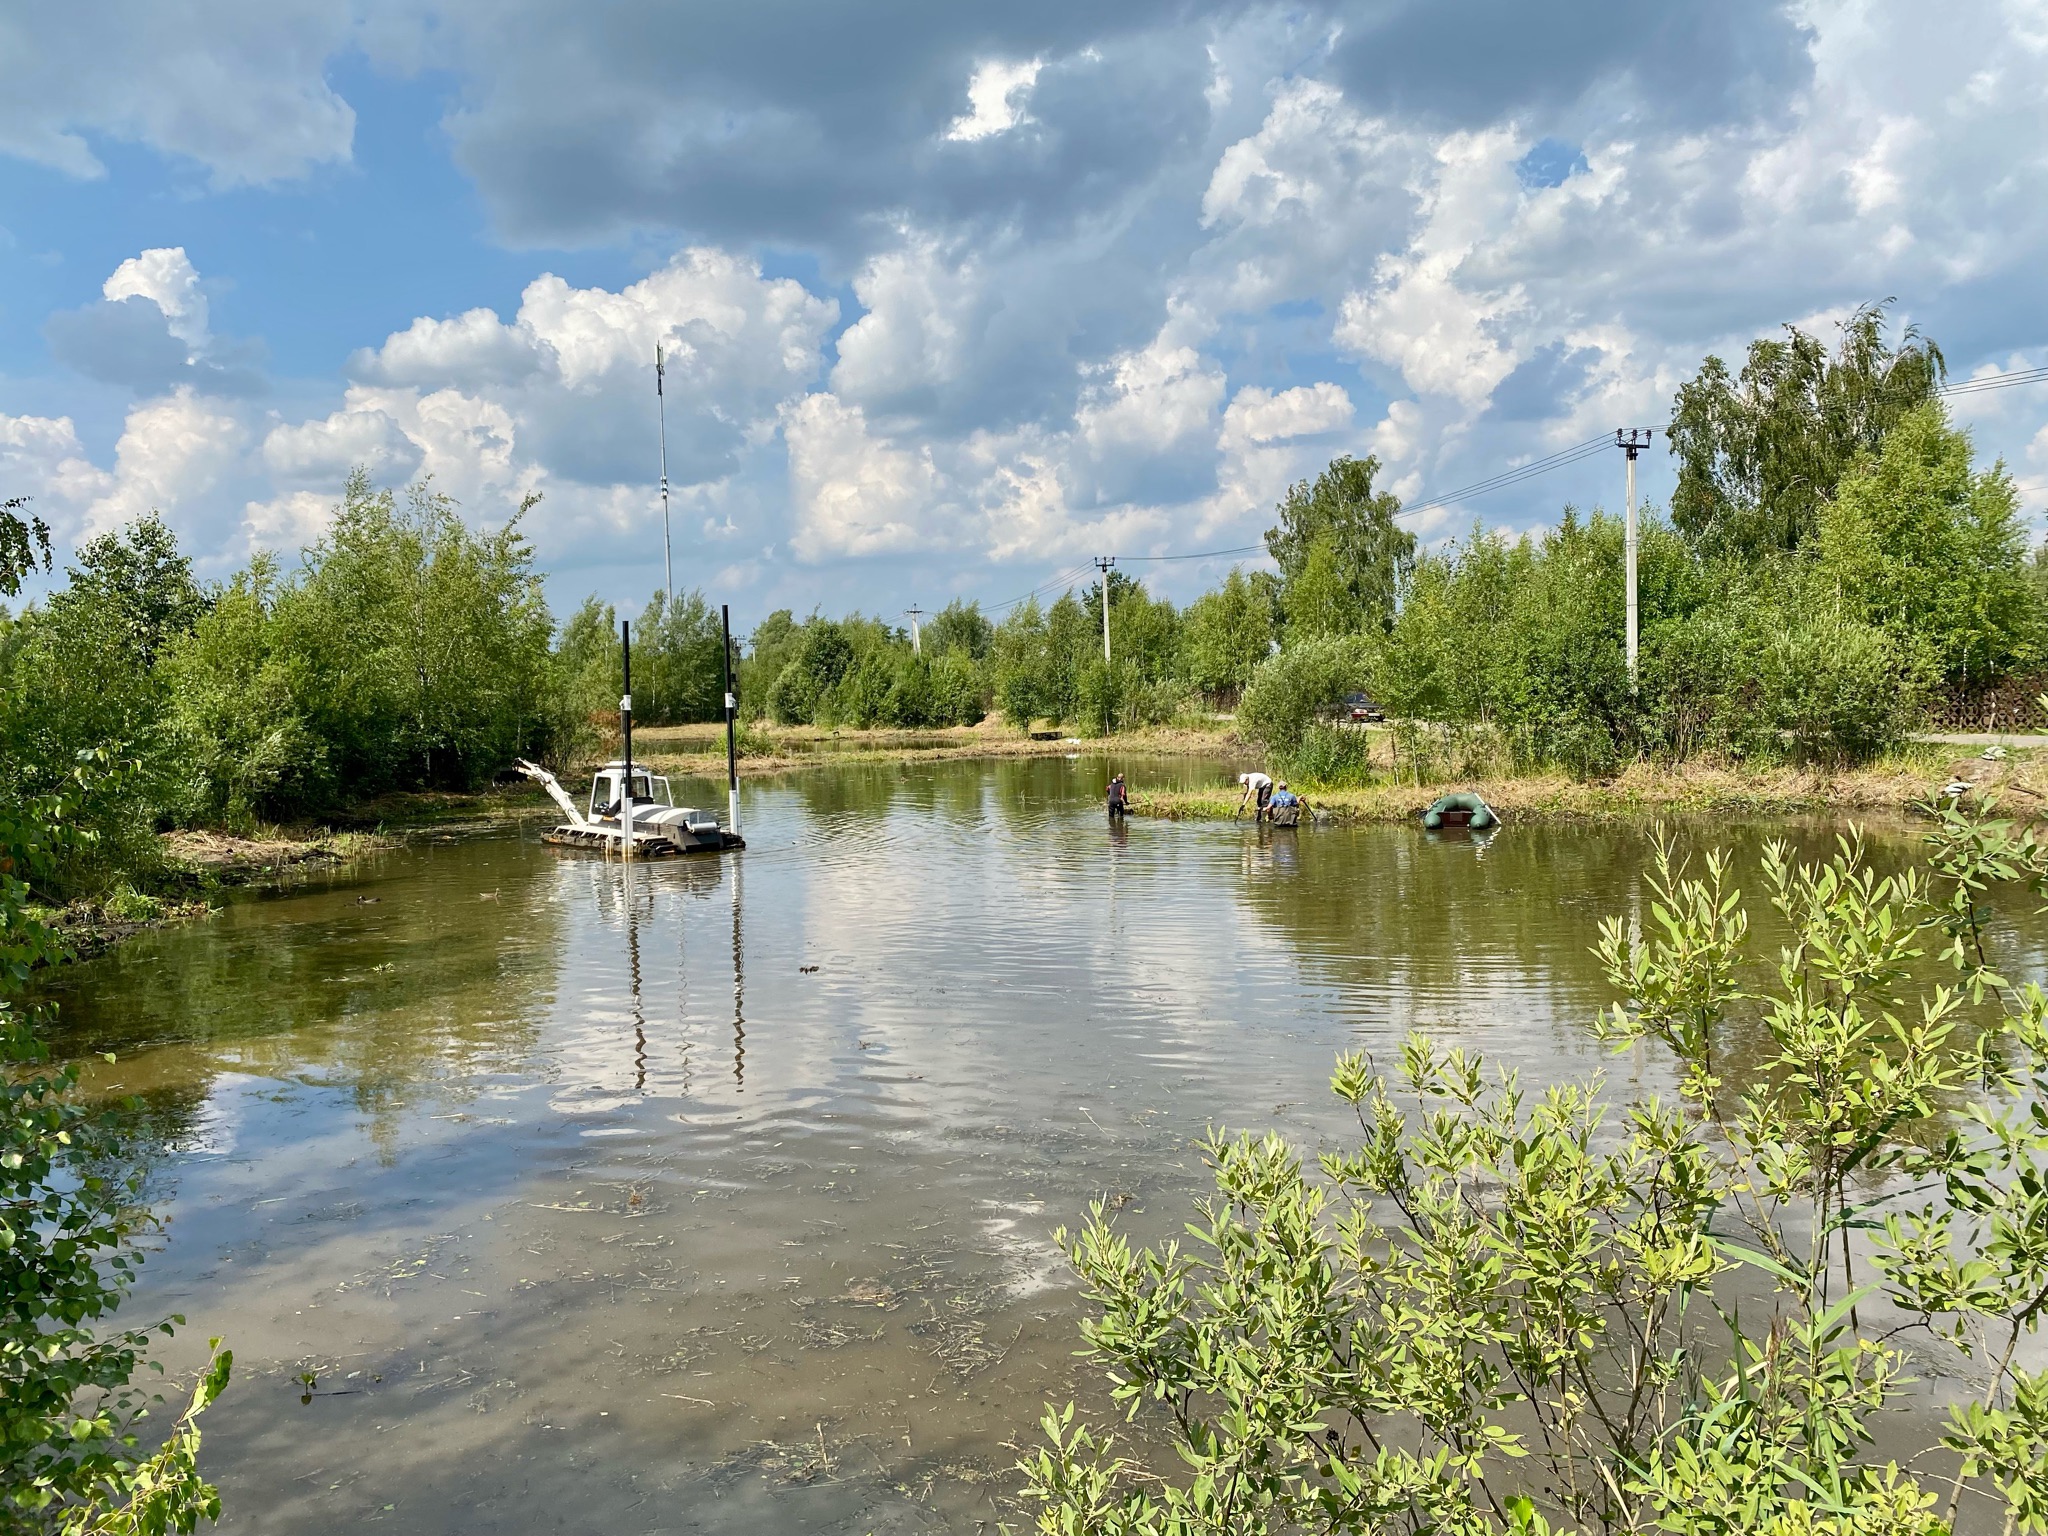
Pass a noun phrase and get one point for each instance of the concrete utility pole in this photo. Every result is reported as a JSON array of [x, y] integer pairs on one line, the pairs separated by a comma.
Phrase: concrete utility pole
[[916, 642], [1103, 563], [668, 579], [1631, 441]]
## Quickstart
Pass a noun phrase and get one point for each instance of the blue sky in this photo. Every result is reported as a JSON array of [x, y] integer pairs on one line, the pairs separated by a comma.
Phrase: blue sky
[[959, 295]]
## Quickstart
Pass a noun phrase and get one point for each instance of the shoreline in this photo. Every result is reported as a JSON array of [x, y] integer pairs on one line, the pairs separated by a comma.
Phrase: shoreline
[[1894, 787], [200, 862]]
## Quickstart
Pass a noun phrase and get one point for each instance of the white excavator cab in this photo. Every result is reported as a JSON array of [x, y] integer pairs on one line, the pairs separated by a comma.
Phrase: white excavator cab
[[648, 789]]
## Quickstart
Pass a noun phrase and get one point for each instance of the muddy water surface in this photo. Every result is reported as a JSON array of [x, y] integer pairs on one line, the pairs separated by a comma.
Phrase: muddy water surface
[[718, 1195]]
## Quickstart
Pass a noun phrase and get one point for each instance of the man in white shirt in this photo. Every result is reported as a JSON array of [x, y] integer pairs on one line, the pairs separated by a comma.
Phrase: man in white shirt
[[1255, 784]]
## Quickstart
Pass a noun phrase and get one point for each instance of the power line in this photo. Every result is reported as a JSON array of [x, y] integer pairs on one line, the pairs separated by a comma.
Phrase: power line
[[1591, 448], [1984, 383], [1207, 554], [1065, 578]]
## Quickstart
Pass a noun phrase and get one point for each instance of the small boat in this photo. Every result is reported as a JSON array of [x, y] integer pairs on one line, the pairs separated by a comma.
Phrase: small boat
[[661, 828], [1463, 809]]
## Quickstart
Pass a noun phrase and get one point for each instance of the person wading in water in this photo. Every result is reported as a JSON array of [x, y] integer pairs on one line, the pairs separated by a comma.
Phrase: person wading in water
[[1255, 784], [1119, 798]]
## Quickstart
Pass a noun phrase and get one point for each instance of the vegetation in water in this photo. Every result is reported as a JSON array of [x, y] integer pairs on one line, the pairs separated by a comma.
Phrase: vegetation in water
[[1507, 1312]]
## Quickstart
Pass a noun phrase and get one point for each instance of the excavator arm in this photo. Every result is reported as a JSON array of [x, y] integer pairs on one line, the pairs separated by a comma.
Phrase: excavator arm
[[548, 782]]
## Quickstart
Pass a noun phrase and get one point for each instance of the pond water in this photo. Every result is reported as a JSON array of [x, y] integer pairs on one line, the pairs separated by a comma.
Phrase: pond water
[[718, 1195]]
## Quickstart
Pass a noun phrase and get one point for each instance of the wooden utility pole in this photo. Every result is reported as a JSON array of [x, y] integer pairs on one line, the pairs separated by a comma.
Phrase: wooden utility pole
[[1631, 441], [1103, 563]]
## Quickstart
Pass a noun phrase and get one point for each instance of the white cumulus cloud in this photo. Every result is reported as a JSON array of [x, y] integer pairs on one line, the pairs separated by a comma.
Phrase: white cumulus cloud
[[996, 94], [167, 278], [853, 493], [173, 451]]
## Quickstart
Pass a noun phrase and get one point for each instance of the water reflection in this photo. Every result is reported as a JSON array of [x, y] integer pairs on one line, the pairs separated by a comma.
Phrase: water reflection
[[736, 874], [447, 1125]]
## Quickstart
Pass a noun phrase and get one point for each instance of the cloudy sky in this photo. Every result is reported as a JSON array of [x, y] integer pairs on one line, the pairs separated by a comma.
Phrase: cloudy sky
[[957, 296]]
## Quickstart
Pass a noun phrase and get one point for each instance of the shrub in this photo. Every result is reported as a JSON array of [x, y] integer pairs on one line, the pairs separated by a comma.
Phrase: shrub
[[957, 697], [1293, 690], [1515, 1313], [1330, 755], [1844, 691], [70, 1220]]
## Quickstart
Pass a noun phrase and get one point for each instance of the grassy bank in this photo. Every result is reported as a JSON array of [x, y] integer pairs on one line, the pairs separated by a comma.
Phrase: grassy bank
[[1893, 785], [195, 866], [768, 749]]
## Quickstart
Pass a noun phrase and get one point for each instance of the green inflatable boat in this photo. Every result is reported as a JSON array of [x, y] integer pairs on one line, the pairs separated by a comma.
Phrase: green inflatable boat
[[1463, 809]]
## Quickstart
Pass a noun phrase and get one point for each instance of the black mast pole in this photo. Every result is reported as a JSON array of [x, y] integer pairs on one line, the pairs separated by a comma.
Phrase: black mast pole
[[732, 756], [626, 733]]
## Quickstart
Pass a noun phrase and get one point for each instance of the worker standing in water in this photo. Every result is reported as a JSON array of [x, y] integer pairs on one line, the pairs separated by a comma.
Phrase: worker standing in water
[[1119, 799], [1256, 785]]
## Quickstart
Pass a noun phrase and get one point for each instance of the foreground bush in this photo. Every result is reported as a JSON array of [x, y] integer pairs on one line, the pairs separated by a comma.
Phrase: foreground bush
[[1516, 1313], [73, 1423]]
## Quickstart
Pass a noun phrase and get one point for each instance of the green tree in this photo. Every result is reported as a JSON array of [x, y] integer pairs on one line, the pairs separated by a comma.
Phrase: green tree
[[408, 650], [1144, 631], [959, 627], [588, 659], [24, 545], [1917, 543], [1073, 639], [1021, 664], [822, 657], [1842, 690], [1317, 600], [77, 684], [768, 651], [142, 581], [1229, 631], [959, 692], [676, 661], [1761, 453], [1526, 636], [236, 706], [75, 691], [427, 641], [1372, 552]]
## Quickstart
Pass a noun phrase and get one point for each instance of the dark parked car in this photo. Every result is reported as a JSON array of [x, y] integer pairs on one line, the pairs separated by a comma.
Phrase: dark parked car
[[1360, 709]]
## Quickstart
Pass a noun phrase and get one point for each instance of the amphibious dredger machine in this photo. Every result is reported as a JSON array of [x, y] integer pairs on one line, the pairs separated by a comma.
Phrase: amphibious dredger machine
[[631, 811]]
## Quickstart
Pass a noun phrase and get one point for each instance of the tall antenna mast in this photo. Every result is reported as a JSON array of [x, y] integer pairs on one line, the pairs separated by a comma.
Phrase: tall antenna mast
[[668, 579]]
